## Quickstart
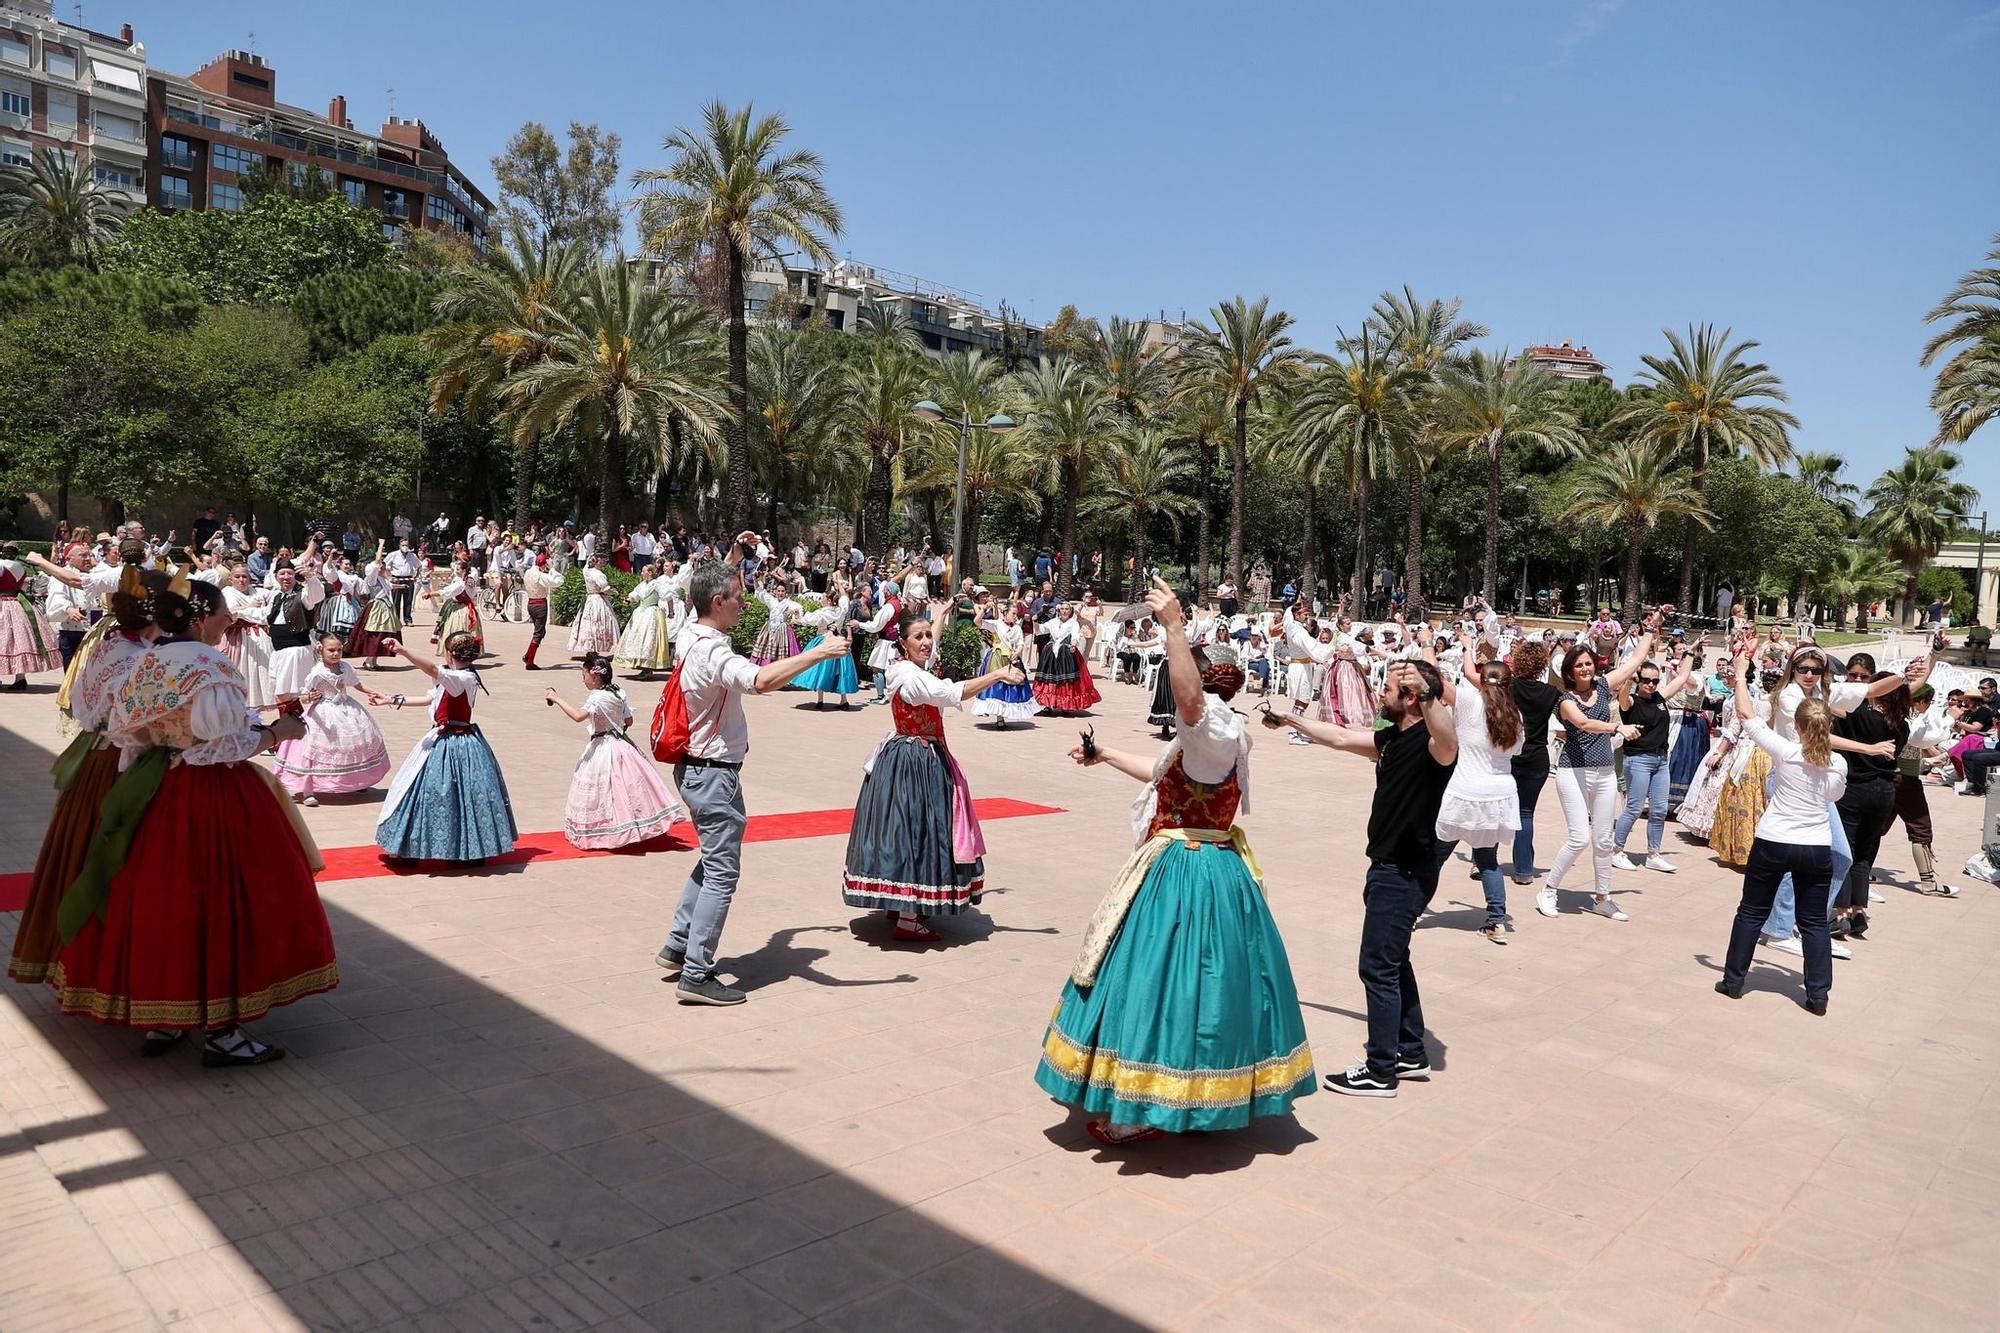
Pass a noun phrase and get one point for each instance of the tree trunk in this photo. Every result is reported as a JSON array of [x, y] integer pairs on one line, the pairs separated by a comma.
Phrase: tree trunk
[[737, 428], [1635, 541], [1045, 527], [1203, 536], [1073, 496], [1239, 480], [1492, 580], [524, 480], [62, 497], [1309, 559], [1910, 611], [1700, 482], [1358, 590], [607, 499], [771, 504], [875, 538], [1413, 548], [1139, 557]]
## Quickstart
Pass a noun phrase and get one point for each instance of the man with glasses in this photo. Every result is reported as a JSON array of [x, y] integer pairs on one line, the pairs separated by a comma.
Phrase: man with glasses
[[1643, 704]]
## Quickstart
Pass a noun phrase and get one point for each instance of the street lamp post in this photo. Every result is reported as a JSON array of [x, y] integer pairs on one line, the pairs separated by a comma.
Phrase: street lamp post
[[999, 423], [1979, 570]]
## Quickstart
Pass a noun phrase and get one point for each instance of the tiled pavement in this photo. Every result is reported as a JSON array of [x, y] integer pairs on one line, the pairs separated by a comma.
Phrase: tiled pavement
[[501, 1119]]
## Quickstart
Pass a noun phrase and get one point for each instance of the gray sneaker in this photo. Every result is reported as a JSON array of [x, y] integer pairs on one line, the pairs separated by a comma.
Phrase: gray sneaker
[[709, 991], [670, 961]]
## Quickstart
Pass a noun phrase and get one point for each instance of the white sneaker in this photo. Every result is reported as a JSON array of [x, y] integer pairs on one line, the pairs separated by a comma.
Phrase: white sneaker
[[1604, 907], [1875, 897], [1962, 788], [1624, 862], [1841, 950], [1659, 863], [1789, 944], [1545, 901]]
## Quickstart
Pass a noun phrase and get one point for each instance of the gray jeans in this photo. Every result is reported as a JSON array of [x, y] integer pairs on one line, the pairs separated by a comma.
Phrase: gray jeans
[[715, 798]]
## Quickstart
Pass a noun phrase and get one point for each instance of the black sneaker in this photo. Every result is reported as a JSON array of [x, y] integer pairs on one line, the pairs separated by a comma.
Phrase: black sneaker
[[1413, 1066], [670, 961], [1360, 1081], [709, 991]]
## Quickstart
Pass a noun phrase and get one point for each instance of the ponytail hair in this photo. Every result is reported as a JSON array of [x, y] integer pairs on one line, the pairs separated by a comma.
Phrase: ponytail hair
[[1503, 715], [1815, 723]]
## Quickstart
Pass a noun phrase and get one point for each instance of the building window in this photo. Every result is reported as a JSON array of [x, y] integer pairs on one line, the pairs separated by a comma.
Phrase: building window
[[392, 231], [117, 127], [14, 154], [396, 203], [123, 178], [174, 192], [228, 198], [437, 208], [177, 152], [59, 62], [356, 191], [295, 172], [14, 103], [14, 50], [62, 112], [228, 157]]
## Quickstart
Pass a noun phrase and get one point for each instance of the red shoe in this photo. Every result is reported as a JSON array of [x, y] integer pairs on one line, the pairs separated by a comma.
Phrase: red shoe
[[1100, 1131], [920, 933]]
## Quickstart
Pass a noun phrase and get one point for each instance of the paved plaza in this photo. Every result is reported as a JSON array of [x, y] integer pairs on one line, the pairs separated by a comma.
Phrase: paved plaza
[[501, 1119]]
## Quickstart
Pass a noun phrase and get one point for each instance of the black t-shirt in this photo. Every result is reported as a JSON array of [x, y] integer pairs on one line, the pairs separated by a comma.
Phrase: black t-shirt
[[1650, 716], [1867, 725], [1537, 700], [1409, 784], [1981, 716]]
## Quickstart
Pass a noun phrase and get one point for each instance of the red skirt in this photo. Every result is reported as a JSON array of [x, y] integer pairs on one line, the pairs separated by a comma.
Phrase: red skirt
[[1069, 696], [72, 825], [214, 919]]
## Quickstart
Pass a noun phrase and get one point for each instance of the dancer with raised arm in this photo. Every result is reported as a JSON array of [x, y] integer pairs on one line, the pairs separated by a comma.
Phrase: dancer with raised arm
[[1062, 678], [288, 617], [28, 642], [342, 750], [1181, 1013], [647, 645], [596, 627], [616, 796], [836, 675], [448, 802], [1004, 701], [379, 621], [916, 850]]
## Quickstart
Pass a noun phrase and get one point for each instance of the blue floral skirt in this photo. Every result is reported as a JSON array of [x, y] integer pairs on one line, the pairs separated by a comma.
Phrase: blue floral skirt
[[456, 809], [1194, 1022]]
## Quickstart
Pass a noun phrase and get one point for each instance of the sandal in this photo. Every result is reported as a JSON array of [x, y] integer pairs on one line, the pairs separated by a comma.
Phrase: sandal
[[1102, 1132], [161, 1040], [919, 933], [1494, 931], [234, 1047]]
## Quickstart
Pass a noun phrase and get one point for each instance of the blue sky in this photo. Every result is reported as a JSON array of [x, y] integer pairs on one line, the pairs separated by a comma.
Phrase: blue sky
[[1814, 175]]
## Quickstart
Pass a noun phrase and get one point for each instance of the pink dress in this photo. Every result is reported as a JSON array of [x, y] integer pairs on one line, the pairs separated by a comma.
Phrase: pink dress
[[616, 796], [27, 640], [343, 749]]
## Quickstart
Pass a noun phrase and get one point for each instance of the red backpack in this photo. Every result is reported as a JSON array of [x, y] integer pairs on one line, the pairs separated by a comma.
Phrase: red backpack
[[670, 721]]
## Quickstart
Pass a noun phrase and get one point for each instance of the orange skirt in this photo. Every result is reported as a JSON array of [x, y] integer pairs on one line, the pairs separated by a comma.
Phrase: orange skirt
[[72, 825]]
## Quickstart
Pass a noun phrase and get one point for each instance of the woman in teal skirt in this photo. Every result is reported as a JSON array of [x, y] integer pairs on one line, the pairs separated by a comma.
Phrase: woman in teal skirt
[[1181, 1013]]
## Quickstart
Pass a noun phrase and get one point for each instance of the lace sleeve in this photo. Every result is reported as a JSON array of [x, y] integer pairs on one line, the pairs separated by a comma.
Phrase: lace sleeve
[[220, 722]]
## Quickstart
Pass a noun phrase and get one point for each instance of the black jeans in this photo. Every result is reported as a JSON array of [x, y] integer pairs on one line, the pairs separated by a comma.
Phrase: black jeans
[[1392, 900], [1810, 868], [1976, 763], [1865, 810], [1531, 774], [404, 595], [538, 616]]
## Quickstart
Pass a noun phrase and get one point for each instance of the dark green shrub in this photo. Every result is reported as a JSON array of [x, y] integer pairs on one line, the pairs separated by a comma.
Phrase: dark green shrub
[[959, 653]]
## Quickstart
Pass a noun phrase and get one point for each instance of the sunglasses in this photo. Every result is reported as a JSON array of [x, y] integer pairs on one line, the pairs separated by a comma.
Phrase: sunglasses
[[1807, 669], [1649, 680]]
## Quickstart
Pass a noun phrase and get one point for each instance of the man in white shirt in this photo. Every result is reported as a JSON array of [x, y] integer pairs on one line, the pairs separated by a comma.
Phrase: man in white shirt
[[713, 679], [644, 546], [540, 581], [402, 566], [475, 544], [73, 610], [400, 526], [586, 546]]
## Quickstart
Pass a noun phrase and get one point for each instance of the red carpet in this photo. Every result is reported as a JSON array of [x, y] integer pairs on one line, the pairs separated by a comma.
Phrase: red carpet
[[366, 862]]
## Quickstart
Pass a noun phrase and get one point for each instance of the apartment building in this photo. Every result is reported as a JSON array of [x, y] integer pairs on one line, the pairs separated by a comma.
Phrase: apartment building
[[76, 91], [1565, 362], [211, 131]]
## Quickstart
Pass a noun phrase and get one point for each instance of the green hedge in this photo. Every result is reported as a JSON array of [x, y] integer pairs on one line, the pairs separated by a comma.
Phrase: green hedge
[[960, 652]]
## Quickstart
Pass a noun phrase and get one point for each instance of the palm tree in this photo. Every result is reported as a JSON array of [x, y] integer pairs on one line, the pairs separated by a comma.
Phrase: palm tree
[[795, 407], [1704, 396], [1913, 509], [1855, 575], [890, 324], [1305, 448], [883, 389], [728, 192], [626, 361], [1491, 403], [52, 214], [500, 318], [969, 386], [1634, 483], [997, 465], [1821, 473], [1148, 474], [1245, 354], [1202, 419], [1070, 416], [1967, 393], [1134, 373], [1367, 401]]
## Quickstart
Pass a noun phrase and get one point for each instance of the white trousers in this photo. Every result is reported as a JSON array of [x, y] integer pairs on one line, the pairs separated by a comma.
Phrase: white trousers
[[1589, 799]]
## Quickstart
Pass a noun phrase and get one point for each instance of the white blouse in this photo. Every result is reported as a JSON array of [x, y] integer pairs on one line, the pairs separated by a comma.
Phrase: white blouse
[[1800, 792]]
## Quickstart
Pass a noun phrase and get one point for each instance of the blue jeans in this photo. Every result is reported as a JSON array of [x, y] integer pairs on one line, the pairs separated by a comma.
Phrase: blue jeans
[[1531, 774], [1392, 900], [1784, 912], [714, 798], [1646, 784]]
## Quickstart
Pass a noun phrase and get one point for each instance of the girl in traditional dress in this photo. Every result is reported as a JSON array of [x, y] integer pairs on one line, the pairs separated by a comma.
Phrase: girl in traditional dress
[[776, 641], [248, 641], [1698, 808], [1062, 678], [596, 627], [1739, 804], [84, 772], [616, 796], [341, 610], [458, 613], [342, 750], [647, 645], [1004, 701], [195, 909], [288, 618], [448, 801], [916, 850], [28, 642], [835, 675], [1180, 1013], [378, 622], [1481, 807]]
